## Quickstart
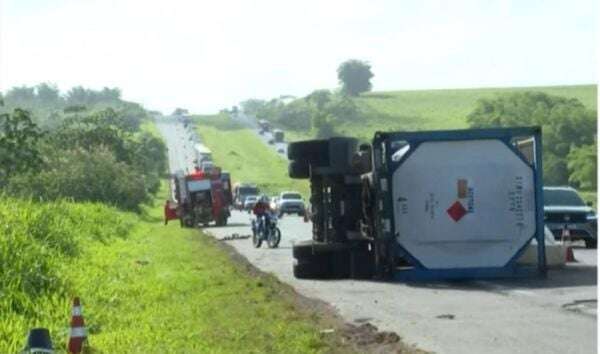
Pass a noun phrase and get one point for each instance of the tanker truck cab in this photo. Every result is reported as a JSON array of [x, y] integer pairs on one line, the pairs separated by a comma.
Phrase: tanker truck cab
[[421, 205]]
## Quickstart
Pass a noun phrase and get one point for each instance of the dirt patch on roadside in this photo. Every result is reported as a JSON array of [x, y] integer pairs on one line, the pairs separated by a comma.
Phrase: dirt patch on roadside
[[344, 337]]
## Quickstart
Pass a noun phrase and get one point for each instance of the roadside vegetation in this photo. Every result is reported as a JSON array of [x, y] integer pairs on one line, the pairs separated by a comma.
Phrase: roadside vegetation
[[239, 151], [85, 153], [145, 287]]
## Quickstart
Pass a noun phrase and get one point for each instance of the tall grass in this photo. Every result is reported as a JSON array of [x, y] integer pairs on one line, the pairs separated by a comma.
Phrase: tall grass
[[38, 243]]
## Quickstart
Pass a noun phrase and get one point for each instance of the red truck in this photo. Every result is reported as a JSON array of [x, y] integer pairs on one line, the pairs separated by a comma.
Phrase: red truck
[[203, 197]]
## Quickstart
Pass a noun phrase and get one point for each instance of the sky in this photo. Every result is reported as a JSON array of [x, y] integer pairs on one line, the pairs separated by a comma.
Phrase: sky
[[209, 55]]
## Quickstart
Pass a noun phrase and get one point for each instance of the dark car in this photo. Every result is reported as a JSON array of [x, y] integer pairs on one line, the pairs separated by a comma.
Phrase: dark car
[[565, 210]]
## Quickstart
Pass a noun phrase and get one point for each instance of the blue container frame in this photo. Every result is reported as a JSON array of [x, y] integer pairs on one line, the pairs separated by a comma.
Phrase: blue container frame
[[384, 169]]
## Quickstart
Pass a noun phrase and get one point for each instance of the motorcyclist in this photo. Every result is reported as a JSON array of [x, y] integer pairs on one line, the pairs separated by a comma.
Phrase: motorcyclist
[[262, 210]]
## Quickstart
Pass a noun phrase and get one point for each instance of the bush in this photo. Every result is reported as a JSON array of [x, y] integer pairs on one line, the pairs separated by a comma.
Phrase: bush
[[83, 175]]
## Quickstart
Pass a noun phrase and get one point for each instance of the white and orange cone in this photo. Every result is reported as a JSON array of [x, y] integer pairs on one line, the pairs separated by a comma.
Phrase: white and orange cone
[[77, 334], [566, 237]]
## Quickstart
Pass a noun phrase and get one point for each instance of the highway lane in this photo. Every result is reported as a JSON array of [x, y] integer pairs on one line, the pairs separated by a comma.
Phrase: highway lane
[[554, 315]]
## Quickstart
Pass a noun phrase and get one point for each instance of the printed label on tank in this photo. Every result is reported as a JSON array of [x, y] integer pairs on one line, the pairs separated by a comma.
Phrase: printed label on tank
[[516, 198], [466, 193], [431, 206], [403, 205], [462, 186], [456, 211]]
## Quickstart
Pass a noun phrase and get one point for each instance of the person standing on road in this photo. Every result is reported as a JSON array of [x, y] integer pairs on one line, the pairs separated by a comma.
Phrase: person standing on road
[[170, 213]]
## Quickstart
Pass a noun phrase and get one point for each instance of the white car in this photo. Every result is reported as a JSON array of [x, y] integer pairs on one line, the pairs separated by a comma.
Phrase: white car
[[250, 202], [290, 203]]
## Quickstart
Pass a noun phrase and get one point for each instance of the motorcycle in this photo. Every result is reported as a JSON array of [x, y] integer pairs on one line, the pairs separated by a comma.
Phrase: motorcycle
[[269, 232]]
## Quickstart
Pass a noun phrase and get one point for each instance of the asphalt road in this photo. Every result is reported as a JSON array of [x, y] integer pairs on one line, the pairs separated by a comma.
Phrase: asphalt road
[[553, 315]]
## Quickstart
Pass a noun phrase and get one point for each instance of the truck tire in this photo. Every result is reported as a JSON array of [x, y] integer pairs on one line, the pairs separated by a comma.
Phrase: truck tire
[[589, 243], [304, 249], [299, 169], [310, 151], [316, 260], [312, 270]]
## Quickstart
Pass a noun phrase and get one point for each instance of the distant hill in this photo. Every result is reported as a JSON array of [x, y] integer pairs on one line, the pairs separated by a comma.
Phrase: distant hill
[[438, 109]]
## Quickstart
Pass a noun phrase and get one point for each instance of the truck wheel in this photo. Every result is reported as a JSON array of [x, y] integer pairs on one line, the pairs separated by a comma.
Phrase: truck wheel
[[321, 260], [311, 151], [298, 169], [312, 270], [589, 243], [310, 248]]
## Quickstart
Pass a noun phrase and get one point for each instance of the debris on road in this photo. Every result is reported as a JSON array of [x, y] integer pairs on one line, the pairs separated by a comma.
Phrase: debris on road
[[235, 236], [446, 316]]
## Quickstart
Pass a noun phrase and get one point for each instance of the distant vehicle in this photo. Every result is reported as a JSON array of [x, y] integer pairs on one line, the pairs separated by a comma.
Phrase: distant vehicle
[[564, 209], [241, 191], [281, 150], [207, 166], [202, 153], [250, 202], [290, 203], [201, 198], [278, 135], [264, 126]]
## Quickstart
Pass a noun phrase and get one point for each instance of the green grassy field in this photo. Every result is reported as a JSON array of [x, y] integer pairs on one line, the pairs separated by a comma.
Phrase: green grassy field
[[145, 287], [241, 152], [434, 109]]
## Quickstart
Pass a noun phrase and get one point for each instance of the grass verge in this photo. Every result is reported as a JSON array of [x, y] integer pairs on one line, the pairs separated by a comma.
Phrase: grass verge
[[415, 110], [163, 289]]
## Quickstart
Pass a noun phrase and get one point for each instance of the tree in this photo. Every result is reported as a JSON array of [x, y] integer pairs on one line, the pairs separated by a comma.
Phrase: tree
[[583, 164], [294, 115], [20, 95], [252, 105], [48, 94], [355, 77], [19, 138], [566, 124], [322, 123], [319, 98]]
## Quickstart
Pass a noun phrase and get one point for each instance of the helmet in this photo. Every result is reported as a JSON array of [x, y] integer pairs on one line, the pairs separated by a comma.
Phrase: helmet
[[264, 199]]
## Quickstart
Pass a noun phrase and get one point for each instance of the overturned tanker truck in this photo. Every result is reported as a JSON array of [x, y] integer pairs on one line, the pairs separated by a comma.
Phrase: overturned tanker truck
[[422, 205]]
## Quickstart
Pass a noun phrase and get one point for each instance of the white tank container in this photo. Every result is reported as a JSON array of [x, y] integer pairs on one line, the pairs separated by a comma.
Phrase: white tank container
[[463, 204]]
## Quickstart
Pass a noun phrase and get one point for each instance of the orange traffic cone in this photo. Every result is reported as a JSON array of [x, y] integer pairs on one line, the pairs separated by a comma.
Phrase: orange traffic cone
[[566, 237], [77, 335], [569, 256]]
